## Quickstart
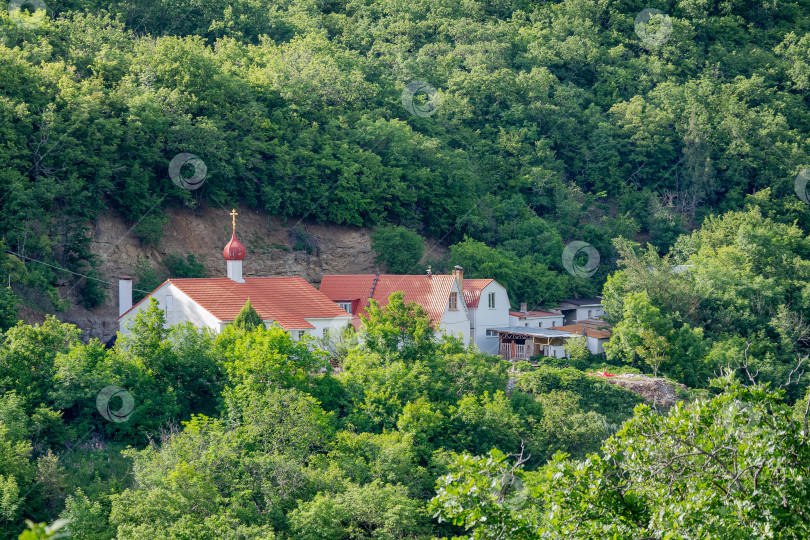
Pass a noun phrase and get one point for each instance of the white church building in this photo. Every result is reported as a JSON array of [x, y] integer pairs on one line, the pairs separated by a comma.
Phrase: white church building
[[213, 303]]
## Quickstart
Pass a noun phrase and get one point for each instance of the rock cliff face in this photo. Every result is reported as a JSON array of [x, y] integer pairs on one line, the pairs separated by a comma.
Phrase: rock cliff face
[[655, 391], [273, 249]]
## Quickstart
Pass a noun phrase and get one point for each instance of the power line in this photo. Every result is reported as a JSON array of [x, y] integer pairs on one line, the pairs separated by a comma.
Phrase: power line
[[23, 258]]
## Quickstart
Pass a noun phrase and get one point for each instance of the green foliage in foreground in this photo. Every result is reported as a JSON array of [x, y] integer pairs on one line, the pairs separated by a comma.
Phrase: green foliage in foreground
[[251, 434], [40, 531], [735, 466]]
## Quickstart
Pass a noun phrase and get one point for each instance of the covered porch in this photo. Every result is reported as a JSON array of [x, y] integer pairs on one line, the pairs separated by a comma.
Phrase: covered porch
[[521, 343]]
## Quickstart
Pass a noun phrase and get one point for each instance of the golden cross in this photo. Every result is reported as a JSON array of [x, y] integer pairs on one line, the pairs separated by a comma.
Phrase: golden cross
[[233, 215]]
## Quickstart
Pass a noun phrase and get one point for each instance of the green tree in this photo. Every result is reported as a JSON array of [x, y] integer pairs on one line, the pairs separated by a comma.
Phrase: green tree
[[16, 475], [204, 487], [577, 349], [247, 318], [253, 361], [483, 494], [9, 308], [188, 267], [147, 332], [399, 249], [40, 531], [525, 279], [481, 423], [365, 512], [87, 519], [642, 334], [399, 330], [147, 279], [93, 293], [28, 355]]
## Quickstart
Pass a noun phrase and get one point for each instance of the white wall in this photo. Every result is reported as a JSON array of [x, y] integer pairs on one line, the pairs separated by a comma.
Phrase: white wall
[[555, 351], [183, 309], [456, 321], [582, 313], [596, 346], [534, 322], [325, 324], [484, 317], [317, 332]]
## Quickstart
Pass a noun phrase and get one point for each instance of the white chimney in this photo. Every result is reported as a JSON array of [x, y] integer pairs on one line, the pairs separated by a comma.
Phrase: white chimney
[[124, 294], [523, 307], [458, 272]]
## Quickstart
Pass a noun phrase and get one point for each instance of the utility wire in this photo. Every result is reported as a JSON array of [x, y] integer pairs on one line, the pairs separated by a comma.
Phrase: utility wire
[[23, 258]]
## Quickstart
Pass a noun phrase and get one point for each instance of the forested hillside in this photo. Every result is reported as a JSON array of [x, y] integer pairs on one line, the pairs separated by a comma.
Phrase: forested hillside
[[550, 122], [673, 143]]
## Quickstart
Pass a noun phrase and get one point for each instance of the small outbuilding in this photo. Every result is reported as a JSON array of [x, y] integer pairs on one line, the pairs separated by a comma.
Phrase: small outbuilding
[[523, 342]]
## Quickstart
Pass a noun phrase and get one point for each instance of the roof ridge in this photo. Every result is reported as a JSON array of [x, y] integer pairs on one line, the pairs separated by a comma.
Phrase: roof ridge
[[373, 286]]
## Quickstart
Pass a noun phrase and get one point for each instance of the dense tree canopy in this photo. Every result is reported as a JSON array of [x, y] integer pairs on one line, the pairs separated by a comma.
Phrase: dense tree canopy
[[734, 466], [550, 122], [731, 293], [250, 431]]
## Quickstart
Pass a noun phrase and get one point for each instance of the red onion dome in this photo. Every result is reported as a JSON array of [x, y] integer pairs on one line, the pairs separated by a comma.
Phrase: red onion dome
[[234, 250]]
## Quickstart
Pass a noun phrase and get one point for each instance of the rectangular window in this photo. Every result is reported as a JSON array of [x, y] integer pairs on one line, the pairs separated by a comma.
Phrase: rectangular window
[[540, 325], [453, 300], [589, 313], [345, 306], [491, 333], [301, 333], [169, 304], [492, 300]]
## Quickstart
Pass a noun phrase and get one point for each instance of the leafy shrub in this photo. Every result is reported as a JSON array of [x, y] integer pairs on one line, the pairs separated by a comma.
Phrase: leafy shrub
[[150, 229], [375, 510], [397, 248], [303, 240], [247, 318], [146, 279], [93, 293], [179, 267], [615, 403]]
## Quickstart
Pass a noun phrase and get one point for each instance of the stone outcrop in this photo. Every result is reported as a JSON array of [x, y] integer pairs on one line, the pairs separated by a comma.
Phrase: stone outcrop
[[655, 390]]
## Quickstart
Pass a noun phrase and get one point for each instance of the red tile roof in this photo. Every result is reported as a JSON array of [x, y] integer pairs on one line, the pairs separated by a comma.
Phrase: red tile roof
[[342, 288], [577, 329], [285, 300], [524, 314], [472, 290], [431, 293]]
